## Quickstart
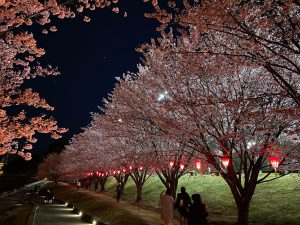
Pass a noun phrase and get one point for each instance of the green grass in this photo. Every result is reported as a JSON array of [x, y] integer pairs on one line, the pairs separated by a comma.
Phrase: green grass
[[105, 211], [274, 203]]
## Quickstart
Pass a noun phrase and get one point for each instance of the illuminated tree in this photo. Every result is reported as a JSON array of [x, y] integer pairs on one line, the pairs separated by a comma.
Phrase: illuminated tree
[[49, 168], [19, 54], [238, 113], [263, 34]]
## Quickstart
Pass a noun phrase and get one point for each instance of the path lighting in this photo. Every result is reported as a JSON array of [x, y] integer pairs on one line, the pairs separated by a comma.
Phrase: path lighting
[[274, 161], [181, 166], [80, 213], [225, 161], [66, 204], [171, 163], [198, 164], [94, 222]]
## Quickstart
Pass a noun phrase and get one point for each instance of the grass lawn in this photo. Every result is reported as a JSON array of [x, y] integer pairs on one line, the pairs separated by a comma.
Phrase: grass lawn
[[18, 216], [105, 211], [274, 203]]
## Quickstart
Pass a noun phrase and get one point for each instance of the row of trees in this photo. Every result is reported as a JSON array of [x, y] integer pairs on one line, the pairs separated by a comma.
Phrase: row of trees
[[19, 61], [227, 85]]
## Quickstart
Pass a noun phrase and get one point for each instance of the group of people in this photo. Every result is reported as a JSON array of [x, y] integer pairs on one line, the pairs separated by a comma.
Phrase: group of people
[[192, 210], [49, 196]]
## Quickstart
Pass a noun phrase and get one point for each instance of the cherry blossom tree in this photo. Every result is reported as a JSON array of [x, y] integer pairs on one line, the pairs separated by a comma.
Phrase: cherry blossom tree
[[19, 54], [239, 113], [257, 33], [49, 168]]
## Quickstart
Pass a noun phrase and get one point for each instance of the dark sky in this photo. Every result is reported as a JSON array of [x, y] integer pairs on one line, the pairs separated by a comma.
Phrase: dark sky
[[89, 56]]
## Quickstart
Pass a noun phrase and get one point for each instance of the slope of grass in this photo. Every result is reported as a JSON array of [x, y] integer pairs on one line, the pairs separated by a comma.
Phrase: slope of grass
[[104, 211], [274, 203]]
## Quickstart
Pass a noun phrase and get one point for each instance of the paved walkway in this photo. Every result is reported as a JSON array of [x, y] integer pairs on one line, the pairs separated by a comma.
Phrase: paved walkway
[[56, 214], [149, 216]]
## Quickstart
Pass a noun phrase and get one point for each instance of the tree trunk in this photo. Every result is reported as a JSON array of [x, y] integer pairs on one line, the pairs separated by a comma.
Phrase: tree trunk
[[139, 189], [102, 187], [173, 187], [96, 185], [243, 212]]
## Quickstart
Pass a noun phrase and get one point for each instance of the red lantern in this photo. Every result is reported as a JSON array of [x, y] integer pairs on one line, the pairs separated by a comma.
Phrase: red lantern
[[130, 167], [141, 168], [124, 170], [274, 160], [198, 164], [118, 171], [114, 172], [181, 166], [225, 161], [171, 163]]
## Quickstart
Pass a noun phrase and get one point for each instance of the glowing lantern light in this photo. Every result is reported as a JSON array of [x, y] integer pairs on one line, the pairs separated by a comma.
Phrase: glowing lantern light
[[114, 172], [130, 167], [274, 161], [118, 171], [141, 168], [171, 163], [225, 161], [124, 170], [102, 174], [198, 164], [181, 166]]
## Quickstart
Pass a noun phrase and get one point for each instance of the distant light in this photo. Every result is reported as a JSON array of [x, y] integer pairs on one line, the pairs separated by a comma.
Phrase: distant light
[[171, 163], [66, 204], [141, 168], [120, 120], [162, 96], [80, 213], [94, 222], [181, 166], [198, 164]]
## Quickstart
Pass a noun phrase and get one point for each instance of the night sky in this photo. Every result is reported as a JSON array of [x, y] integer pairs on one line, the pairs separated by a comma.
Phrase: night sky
[[89, 57]]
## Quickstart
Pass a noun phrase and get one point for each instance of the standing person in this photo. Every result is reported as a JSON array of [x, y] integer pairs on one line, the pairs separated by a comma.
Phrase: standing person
[[183, 202], [78, 184], [166, 202], [119, 191], [197, 212]]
